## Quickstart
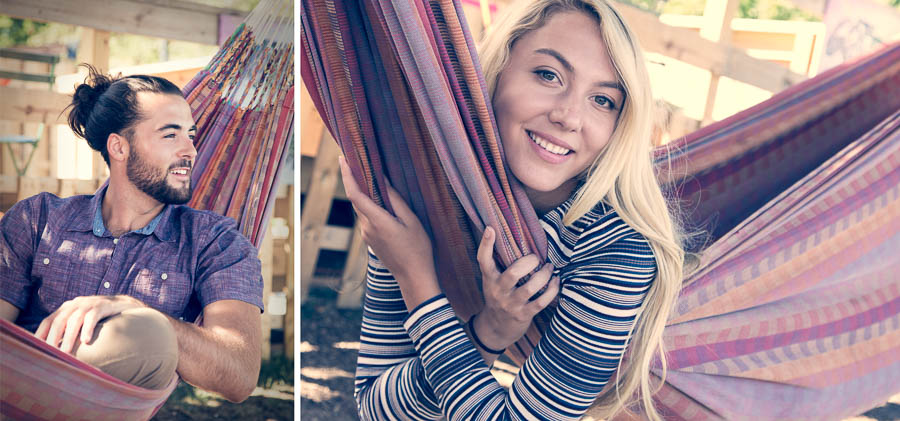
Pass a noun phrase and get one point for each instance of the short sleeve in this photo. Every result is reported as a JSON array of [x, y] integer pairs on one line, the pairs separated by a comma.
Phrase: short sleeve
[[228, 267], [18, 229]]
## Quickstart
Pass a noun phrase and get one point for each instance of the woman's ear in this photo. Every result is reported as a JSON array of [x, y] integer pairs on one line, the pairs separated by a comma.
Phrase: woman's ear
[[117, 147]]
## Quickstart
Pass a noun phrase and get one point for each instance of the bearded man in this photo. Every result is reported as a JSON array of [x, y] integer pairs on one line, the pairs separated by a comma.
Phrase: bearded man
[[119, 278]]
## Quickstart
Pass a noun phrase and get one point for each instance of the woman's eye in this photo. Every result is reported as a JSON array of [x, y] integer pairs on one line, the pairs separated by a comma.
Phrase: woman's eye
[[604, 102], [546, 75], [170, 136]]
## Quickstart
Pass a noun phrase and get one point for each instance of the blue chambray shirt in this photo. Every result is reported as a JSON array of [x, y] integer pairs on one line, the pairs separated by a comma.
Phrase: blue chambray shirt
[[53, 250]]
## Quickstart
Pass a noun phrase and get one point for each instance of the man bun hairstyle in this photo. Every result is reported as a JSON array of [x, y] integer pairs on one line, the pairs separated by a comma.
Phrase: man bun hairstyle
[[106, 104]]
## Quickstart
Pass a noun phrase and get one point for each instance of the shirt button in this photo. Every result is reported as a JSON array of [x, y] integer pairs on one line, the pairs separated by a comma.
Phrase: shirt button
[[46, 261], [115, 241], [106, 285], [164, 276]]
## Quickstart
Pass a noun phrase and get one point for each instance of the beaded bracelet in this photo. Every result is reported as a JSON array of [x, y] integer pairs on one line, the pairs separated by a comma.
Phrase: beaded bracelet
[[471, 326]]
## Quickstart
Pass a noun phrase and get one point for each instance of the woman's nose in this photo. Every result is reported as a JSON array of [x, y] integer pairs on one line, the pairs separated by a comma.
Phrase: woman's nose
[[566, 114]]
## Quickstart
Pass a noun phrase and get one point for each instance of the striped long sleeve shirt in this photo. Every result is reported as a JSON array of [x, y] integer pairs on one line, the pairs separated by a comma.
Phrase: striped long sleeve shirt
[[420, 365]]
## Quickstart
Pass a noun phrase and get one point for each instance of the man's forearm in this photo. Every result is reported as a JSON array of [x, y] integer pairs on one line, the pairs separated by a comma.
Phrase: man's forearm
[[220, 359], [8, 311]]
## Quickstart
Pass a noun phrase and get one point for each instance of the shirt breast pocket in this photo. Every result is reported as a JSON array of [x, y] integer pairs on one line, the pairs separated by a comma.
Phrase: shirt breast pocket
[[165, 290], [56, 279]]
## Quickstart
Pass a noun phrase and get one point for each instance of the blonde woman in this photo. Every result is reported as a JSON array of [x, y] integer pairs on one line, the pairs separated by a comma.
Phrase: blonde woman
[[572, 102]]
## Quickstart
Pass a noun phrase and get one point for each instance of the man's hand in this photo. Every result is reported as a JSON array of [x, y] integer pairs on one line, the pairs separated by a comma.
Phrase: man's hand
[[81, 315]]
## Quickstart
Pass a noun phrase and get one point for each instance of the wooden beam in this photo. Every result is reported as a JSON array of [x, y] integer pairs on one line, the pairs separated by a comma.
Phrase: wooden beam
[[324, 179], [716, 28], [33, 105], [265, 257], [179, 20], [94, 50], [289, 280], [9, 184], [30, 186], [353, 280], [688, 46]]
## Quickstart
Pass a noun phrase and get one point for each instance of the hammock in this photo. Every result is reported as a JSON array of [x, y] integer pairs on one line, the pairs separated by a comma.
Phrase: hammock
[[243, 106], [404, 100], [243, 103], [794, 311]]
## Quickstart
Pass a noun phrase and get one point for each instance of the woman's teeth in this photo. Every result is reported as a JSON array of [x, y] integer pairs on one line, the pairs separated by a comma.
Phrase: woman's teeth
[[550, 147]]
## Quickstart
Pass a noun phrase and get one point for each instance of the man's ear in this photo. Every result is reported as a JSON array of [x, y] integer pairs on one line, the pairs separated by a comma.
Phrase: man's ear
[[117, 147]]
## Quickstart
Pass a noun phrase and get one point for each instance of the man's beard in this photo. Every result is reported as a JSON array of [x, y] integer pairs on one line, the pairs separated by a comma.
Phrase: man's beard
[[153, 182]]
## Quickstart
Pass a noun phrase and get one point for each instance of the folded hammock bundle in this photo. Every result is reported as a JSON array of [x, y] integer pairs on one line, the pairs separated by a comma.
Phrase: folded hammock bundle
[[795, 308], [397, 86], [243, 105]]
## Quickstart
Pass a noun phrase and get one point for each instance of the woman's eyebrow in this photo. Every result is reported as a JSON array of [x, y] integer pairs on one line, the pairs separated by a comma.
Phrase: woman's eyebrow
[[555, 54], [568, 66]]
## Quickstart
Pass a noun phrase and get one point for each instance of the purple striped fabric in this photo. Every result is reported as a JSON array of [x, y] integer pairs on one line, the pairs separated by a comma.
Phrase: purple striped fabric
[[794, 312], [433, 134]]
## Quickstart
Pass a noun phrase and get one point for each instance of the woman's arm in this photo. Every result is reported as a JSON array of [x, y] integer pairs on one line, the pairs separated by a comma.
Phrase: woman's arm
[[600, 300], [390, 381]]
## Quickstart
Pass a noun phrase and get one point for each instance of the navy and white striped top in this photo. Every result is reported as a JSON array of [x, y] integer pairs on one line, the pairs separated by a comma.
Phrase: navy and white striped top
[[420, 365]]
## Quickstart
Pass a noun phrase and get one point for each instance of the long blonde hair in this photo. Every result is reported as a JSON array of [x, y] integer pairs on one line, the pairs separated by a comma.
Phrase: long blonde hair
[[622, 177]]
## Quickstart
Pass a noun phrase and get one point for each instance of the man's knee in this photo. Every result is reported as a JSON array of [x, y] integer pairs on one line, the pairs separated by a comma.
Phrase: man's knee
[[138, 346]]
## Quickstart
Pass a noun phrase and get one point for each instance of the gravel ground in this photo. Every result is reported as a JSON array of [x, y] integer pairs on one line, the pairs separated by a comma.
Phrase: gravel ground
[[329, 343], [273, 399]]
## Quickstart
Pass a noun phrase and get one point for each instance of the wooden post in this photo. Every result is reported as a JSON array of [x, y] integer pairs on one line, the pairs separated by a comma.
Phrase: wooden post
[[265, 257], [316, 208], [353, 279], [289, 281], [94, 50], [717, 28]]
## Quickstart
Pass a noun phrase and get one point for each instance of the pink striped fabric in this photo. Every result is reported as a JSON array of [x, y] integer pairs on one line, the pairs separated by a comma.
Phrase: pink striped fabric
[[794, 312], [42, 383]]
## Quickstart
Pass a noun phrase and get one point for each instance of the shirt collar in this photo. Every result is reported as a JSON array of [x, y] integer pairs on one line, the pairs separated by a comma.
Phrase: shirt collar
[[161, 225]]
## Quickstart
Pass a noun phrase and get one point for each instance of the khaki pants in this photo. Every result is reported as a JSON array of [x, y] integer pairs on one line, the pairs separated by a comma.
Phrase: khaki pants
[[137, 346]]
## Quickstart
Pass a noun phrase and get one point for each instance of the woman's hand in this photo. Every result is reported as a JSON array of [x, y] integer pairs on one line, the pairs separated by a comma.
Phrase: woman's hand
[[508, 308], [400, 242]]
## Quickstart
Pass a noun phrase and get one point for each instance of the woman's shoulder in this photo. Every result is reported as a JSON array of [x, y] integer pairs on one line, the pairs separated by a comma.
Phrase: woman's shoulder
[[599, 230]]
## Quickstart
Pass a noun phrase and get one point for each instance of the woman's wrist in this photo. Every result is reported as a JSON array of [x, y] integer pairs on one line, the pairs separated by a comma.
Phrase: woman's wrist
[[484, 335]]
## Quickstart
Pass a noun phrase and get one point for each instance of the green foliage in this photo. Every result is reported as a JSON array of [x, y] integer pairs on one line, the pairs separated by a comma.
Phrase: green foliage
[[15, 31]]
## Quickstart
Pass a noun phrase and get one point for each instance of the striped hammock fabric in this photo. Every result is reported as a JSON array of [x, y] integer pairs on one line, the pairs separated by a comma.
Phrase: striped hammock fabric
[[243, 104], [40, 382], [397, 85], [795, 310]]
